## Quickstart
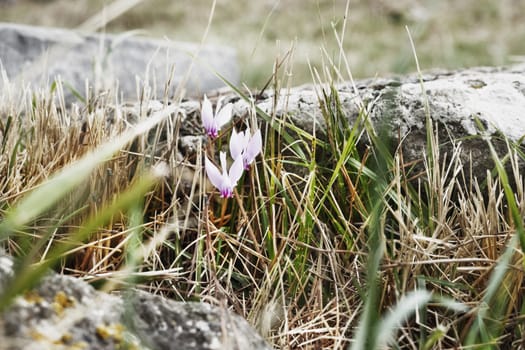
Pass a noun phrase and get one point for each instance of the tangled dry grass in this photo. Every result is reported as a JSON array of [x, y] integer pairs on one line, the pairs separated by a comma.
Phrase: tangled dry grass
[[324, 245], [292, 252]]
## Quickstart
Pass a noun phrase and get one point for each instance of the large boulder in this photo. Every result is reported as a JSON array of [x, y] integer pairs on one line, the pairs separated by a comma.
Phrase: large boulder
[[39, 55], [66, 313], [467, 108]]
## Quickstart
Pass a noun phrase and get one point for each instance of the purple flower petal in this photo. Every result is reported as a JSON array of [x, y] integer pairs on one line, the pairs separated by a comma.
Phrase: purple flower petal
[[212, 122], [226, 193], [226, 181]]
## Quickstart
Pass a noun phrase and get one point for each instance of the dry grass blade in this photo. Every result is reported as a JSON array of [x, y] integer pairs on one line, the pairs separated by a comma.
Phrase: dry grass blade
[[317, 226]]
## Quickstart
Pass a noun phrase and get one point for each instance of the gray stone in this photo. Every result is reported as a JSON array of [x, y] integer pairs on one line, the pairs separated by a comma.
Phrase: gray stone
[[38, 55], [66, 313], [164, 324], [458, 101]]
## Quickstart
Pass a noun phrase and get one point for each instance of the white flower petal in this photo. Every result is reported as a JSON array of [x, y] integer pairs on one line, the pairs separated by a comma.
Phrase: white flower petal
[[224, 164], [253, 148], [236, 171], [207, 114], [224, 115], [214, 175], [236, 144]]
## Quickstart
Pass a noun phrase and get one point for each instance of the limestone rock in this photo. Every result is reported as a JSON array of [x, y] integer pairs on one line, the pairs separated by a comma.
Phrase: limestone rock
[[458, 103], [38, 55], [66, 313], [164, 324]]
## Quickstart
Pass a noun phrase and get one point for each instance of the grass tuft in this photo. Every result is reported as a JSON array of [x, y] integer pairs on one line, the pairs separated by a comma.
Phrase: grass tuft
[[331, 240]]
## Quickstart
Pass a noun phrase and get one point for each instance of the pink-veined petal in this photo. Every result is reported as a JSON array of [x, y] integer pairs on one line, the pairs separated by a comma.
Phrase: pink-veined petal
[[227, 184], [223, 116], [214, 175], [236, 143], [207, 114], [253, 148], [227, 193], [236, 171]]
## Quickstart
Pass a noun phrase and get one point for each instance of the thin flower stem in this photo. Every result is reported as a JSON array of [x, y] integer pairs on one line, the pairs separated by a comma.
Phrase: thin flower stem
[[252, 235], [224, 207]]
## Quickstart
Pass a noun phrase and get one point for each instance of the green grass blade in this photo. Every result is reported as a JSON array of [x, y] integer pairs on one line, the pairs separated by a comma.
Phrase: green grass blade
[[272, 122], [400, 313], [27, 275]]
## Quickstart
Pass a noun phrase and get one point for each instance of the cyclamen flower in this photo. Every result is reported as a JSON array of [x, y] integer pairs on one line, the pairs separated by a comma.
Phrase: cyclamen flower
[[213, 122], [245, 147], [226, 181]]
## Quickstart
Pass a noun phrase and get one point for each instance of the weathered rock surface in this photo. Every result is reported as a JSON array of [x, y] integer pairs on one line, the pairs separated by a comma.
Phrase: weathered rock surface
[[457, 101], [67, 313], [38, 55]]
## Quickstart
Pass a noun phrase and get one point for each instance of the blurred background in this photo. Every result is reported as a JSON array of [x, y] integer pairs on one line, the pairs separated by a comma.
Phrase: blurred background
[[447, 33]]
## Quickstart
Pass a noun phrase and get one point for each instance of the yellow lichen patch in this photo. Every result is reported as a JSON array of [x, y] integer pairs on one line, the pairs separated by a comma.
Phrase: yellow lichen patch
[[78, 346], [66, 338], [65, 342], [61, 302], [33, 297], [113, 331], [36, 335], [476, 83]]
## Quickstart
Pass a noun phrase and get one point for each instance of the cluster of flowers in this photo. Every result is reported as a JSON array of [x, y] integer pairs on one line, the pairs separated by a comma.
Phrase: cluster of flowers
[[243, 148]]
